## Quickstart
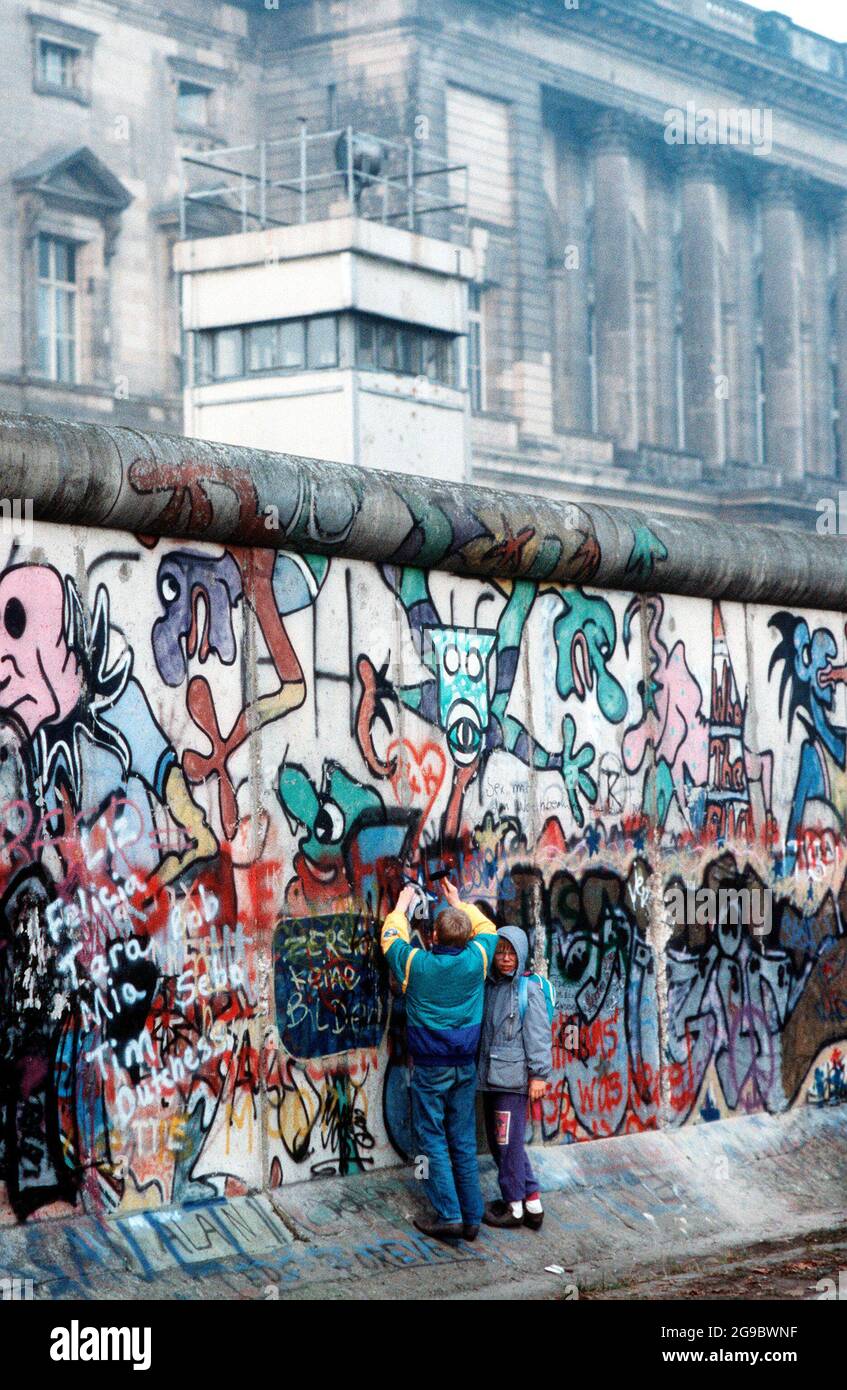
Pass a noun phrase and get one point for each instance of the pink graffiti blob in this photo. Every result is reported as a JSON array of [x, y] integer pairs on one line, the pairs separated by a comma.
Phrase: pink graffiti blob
[[675, 726], [39, 675]]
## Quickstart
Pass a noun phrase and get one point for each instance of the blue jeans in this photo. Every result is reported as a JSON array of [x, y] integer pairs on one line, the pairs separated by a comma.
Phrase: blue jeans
[[444, 1124]]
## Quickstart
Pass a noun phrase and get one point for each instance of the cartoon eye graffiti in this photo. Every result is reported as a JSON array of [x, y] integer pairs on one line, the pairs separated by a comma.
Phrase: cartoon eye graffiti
[[451, 660], [575, 958], [168, 588], [14, 618], [464, 737], [474, 664], [329, 823], [806, 655]]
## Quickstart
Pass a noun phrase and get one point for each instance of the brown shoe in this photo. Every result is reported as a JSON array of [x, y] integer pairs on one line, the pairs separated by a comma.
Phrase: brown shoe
[[440, 1230], [500, 1214], [533, 1219]]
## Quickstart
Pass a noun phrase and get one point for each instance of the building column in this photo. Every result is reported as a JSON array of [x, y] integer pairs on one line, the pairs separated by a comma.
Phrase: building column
[[568, 252], [702, 318], [782, 270], [841, 330], [614, 283]]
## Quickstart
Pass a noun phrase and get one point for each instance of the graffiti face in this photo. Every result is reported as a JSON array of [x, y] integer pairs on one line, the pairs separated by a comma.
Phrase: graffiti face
[[328, 815], [585, 640], [807, 669], [813, 657], [39, 676], [198, 593], [462, 655]]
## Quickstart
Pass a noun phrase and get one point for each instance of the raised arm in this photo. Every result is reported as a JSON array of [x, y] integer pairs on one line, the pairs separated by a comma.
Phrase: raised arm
[[483, 929], [395, 936]]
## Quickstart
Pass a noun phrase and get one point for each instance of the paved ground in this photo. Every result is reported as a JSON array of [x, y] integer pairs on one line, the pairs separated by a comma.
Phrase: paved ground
[[808, 1272], [645, 1211]]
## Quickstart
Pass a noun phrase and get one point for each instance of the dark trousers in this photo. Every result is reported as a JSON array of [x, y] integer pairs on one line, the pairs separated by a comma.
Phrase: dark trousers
[[444, 1124], [505, 1126]]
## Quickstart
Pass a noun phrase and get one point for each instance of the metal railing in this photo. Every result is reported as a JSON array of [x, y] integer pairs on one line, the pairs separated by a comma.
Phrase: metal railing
[[312, 176]]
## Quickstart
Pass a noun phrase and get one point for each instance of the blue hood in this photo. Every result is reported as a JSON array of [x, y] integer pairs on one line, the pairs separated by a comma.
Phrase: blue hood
[[517, 938]]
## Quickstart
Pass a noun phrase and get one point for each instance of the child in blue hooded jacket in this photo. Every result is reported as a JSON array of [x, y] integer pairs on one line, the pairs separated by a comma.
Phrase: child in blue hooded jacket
[[444, 991], [515, 1063]]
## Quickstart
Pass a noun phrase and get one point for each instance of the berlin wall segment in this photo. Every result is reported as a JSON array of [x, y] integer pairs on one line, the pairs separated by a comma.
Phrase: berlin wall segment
[[224, 744]]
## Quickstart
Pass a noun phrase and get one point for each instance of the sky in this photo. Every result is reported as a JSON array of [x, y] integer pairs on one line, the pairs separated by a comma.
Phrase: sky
[[827, 17]]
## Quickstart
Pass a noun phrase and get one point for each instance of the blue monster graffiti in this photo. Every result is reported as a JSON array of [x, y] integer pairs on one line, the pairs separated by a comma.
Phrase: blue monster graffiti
[[461, 657], [459, 693], [809, 678]]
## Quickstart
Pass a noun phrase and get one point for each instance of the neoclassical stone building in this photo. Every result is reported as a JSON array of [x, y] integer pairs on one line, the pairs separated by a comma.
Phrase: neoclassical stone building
[[98, 97], [655, 198]]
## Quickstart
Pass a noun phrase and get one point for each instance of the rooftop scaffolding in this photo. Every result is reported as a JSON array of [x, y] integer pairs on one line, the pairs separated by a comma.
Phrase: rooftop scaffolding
[[313, 176]]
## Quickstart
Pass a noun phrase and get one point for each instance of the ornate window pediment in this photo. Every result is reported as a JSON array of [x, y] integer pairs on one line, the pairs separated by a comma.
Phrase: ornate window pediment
[[76, 180]]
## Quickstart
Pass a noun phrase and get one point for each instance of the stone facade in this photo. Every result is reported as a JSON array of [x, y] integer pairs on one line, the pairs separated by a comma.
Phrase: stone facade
[[656, 203], [661, 319], [89, 156]]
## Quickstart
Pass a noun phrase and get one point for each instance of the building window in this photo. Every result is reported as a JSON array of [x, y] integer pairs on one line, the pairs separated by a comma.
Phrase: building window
[[313, 345], [832, 311], [57, 65], [761, 436], [383, 345], [62, 56], [679, 384], [480, 156], [678, 331], [388, 358], [322, 341], [292, 344], [835, 416], [288, 345], [262, 347], [366, 343], [57, 314], [192, 103], [476, 350], [438, 358], [592, 370], [229, 353]]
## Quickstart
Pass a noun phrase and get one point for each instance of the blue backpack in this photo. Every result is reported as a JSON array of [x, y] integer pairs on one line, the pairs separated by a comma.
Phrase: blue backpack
[[546, 989]]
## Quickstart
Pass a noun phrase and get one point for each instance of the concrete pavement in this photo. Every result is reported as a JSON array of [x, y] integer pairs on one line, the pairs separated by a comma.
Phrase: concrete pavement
[[637, 1207]]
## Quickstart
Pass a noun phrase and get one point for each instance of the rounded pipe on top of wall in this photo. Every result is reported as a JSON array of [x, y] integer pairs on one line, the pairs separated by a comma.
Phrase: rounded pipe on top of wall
[[171, 486]]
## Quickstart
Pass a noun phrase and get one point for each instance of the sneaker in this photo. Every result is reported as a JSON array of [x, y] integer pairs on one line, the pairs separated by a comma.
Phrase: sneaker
[[533, 1219], [470, 1232], [440, 1230], [500, 1214]]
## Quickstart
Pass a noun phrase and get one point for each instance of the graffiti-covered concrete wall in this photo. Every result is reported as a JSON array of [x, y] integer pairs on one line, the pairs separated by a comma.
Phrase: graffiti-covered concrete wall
[[219, 760]]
